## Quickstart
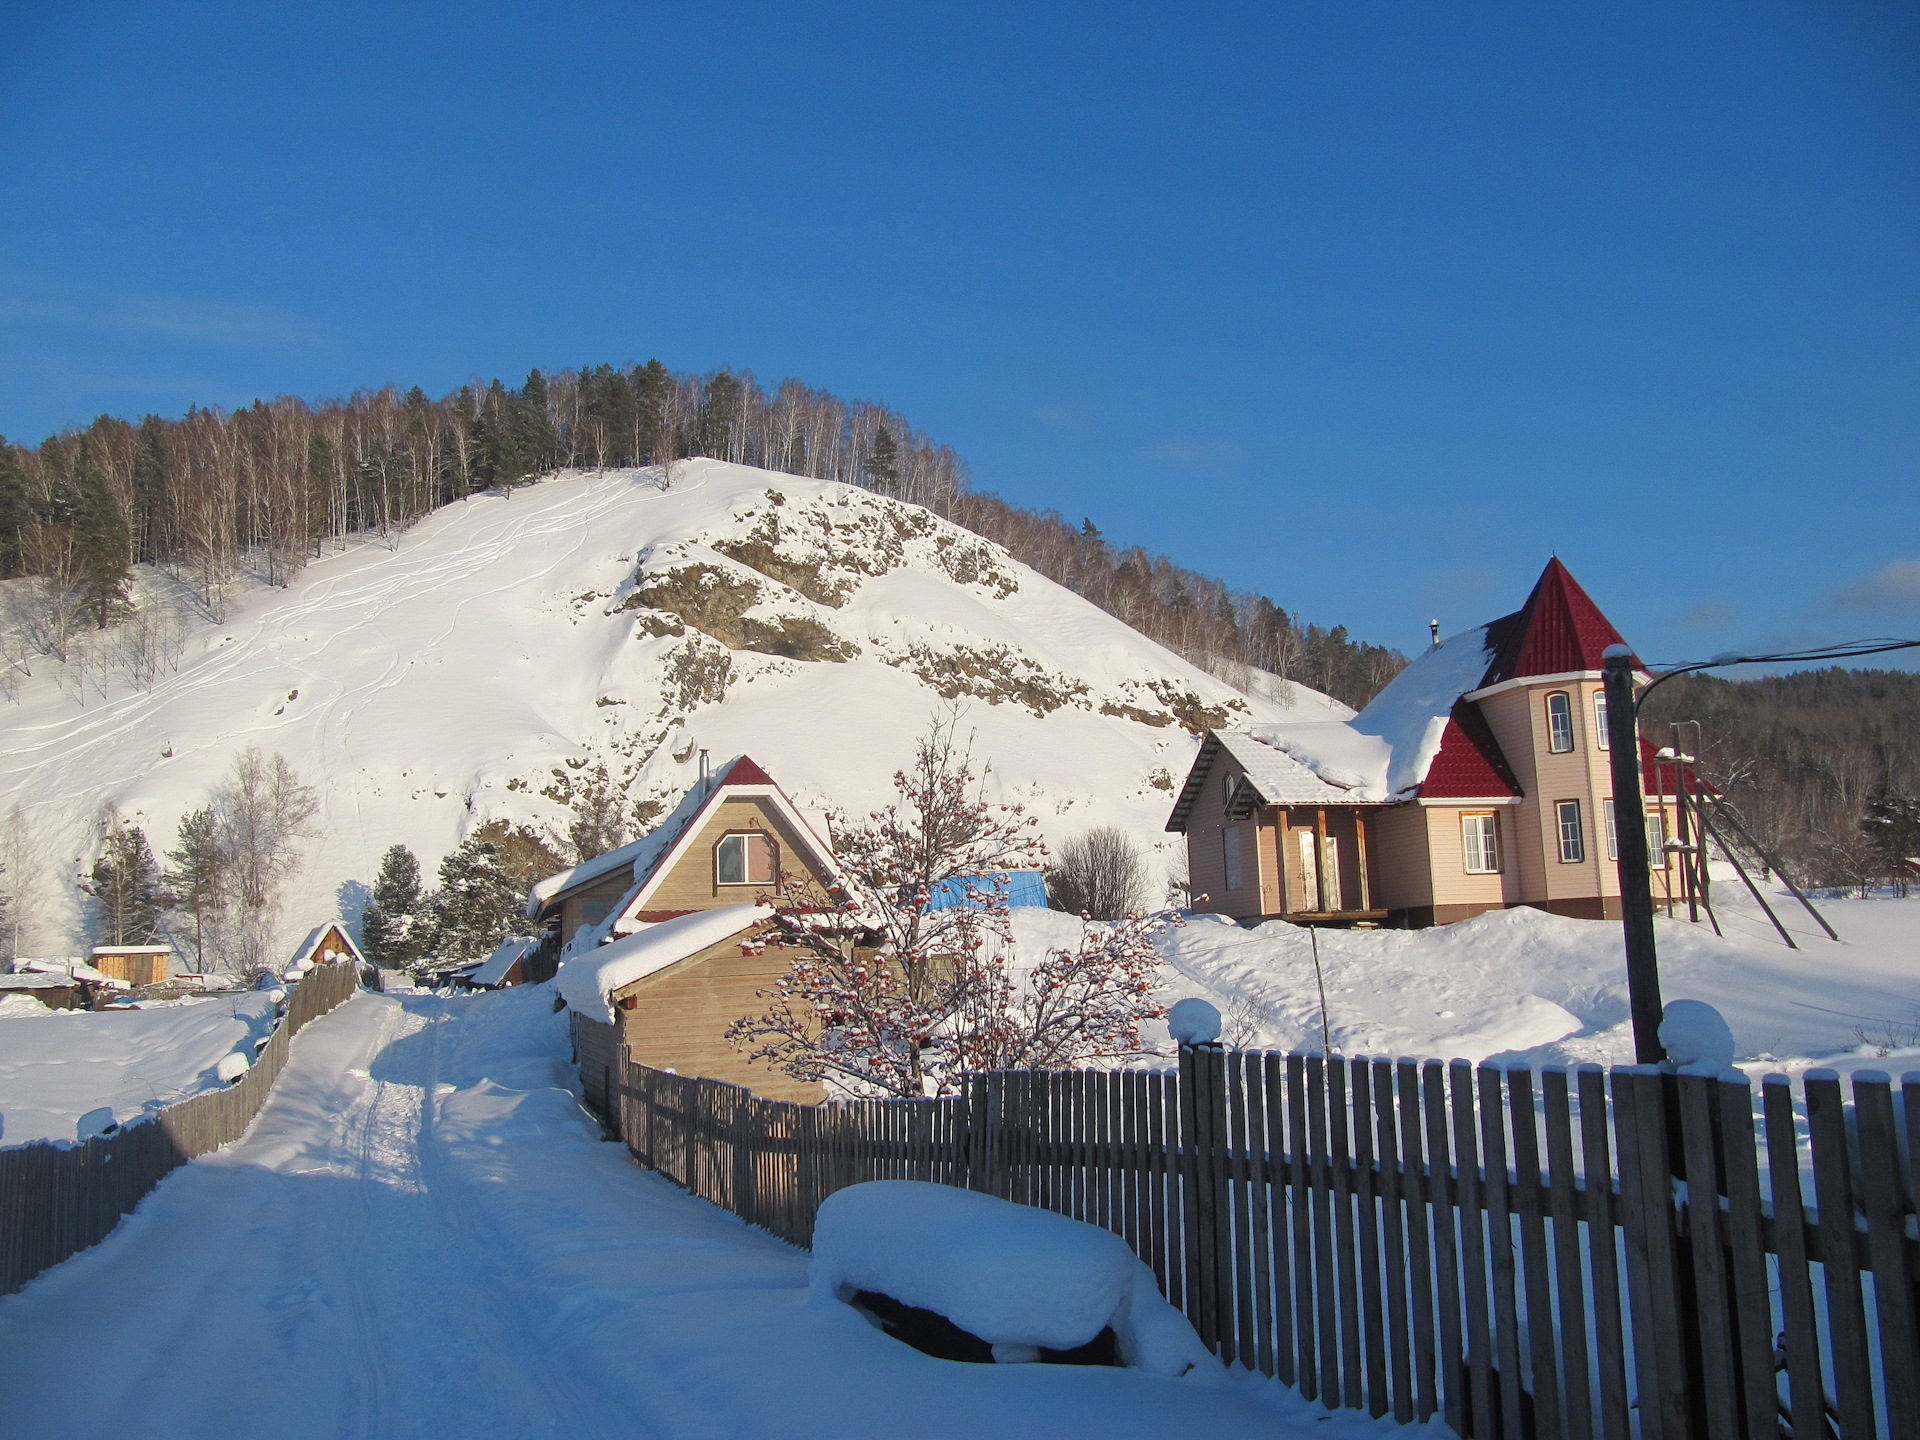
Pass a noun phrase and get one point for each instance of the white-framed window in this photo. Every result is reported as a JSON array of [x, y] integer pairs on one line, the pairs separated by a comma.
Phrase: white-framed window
[[1230, 854], [1559, 722], [1613, 835], [1600, 735], [1656, 839], [747, 858], [1228, 784], [1573, 837], [1480, 835]]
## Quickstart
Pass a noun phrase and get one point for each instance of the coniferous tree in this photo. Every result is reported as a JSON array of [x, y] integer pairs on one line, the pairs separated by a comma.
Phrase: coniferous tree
[[197, 882], [101, 571], [536, 444], [394, 929], [1892, 826], [477, 905], [599, 821], [126, 883], [883, 463]]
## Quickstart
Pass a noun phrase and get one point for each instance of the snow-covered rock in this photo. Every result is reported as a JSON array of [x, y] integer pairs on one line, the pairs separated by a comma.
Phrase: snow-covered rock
[[1020, 1278]]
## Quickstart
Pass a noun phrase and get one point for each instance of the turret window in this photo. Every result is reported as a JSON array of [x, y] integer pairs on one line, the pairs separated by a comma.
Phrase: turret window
[[1601, 735], [1573, 837], [1559, 722]]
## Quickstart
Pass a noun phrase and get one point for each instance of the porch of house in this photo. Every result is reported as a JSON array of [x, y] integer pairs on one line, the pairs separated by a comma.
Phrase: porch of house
[[1314, 866]]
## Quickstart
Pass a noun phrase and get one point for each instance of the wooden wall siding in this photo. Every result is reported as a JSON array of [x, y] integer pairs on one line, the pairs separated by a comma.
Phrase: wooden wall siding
[[57, 1202], [1266, 833], [680, 1017], [1510, 715], [1397, 849], [1447, 846], [1501, 1251], [692, 885]]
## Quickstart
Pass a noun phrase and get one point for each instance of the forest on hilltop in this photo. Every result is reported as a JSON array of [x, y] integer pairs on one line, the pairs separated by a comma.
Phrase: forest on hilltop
[[217, 494], [1823, 766]]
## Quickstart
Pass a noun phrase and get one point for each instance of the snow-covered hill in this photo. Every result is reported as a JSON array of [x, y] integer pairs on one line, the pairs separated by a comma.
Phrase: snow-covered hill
[[474, 667]]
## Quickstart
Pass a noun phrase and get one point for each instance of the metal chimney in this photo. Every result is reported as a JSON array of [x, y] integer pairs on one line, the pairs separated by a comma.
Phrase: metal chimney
[[1434, 626], [706, 774]]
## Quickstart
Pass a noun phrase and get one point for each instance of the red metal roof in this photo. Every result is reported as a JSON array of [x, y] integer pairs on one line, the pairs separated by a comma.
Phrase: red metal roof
[[1469, 765], [744, 772], [1557, 631]]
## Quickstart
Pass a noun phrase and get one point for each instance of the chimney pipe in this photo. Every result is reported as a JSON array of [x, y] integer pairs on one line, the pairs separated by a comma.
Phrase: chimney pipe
[[706, 773], [1434, 626]]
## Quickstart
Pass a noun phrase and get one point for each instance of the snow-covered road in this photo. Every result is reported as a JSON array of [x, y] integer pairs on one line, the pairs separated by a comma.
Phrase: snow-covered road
[[423, 1235]]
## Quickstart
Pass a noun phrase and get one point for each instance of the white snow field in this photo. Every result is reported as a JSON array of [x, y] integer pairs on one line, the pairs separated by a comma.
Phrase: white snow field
[[59, 1068], [429, 685], [423, 1235], [1525, 987]]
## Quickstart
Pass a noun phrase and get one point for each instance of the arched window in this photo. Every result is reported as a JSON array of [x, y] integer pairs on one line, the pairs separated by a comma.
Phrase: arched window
[[748, 858], [1559, 722]]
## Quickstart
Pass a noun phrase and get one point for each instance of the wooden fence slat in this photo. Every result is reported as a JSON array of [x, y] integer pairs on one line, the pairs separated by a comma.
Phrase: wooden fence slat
[[1274, 1100], [1346, 1243], [1476, 1317], [1393, 1242], [1443, 1197], [1881, 1196], [1533, 1256], [1325, 1275], [1372, 1301], [1576, 1415], [1306, 1285], [1714, 1319], [1260, 1169], [1833, 1184], [1418, 1190], [1609, 1331], [1238, 1181], [1218, 1184], [1495, 1201], [1746, 1238]]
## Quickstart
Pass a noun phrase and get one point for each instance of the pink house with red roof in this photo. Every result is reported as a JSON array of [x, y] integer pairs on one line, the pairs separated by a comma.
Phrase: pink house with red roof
[[1478, 778]]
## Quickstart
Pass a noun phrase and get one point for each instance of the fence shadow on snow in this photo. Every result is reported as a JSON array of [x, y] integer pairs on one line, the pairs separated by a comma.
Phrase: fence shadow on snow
[[1420, 1239]]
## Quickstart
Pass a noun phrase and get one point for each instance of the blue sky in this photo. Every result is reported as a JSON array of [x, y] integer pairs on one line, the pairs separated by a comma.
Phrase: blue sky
[[1370, 307]]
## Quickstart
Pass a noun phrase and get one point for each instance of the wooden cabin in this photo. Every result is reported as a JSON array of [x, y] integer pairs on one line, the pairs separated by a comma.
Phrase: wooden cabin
[[137, 965], [663, 969]]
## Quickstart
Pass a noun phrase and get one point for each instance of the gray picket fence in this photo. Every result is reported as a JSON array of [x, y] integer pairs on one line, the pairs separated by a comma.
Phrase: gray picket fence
[[1563, 1253], [57, 1201]]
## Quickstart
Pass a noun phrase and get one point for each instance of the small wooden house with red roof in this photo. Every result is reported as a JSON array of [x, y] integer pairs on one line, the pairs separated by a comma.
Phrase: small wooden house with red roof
[[652, 933], [1478, 778]]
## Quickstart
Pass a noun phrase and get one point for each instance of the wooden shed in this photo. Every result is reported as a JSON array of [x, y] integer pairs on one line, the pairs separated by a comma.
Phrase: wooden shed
[[137, 965]]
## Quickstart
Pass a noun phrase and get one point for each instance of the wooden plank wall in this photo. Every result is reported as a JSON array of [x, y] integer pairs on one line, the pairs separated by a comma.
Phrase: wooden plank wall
[[1420, 1240], [55, 1202]]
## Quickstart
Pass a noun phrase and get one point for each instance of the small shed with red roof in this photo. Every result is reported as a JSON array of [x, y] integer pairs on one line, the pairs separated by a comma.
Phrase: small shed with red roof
[[1478, 778]]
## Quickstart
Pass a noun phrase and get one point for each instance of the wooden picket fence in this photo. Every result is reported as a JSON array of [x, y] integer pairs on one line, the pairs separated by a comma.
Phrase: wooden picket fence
[[56, 1202], [1565, 1253]]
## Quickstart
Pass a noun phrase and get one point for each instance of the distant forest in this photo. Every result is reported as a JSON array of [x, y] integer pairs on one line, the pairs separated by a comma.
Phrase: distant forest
[[1823, 766], [266, 487]]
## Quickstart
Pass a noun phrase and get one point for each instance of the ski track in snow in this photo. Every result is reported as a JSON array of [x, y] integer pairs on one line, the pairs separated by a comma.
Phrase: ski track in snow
[[423, 1236]]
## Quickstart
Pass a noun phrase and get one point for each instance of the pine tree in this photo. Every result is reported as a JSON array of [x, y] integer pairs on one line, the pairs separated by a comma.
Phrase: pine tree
[[883, 463], [126, 882], [1892, 826], [599, 821], [102, 573], [535, 440], [477, 905], [394, 929], [197, 882]]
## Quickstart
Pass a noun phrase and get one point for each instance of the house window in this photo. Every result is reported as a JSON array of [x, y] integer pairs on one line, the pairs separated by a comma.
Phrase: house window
[[1559, 722], [1613, 835], [1230, 851], [1228, 783], [1573, 839], [746, 859], [1600, 732], [1481, 835], [1657, 839]]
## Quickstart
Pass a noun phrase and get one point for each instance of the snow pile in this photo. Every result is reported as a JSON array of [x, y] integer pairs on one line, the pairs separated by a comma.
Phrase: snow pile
[[1694, 1033], [493, 654], [586, 980], [58, 1065], [1193, 1022], [1019, 1278], [232, 1067], [1387, 749]]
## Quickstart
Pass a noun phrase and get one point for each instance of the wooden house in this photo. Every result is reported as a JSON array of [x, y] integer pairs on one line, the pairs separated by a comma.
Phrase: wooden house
[[137, 965], [654, 954], [506, 966], [1479, 778], [55, 991], [325, 944]]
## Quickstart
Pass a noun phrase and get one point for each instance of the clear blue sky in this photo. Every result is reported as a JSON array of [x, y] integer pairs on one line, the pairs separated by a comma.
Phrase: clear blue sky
[[1370, 307]]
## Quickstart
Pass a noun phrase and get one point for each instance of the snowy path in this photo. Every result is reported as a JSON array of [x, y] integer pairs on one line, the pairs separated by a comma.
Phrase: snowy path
[[423, 1236]]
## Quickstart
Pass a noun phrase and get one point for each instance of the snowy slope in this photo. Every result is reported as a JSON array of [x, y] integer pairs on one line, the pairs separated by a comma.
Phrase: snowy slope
[[57, 1066], [470, 669]]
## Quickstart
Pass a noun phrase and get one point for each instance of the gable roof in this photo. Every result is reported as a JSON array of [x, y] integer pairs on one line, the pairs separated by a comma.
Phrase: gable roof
[[1274, 774], [506, 955], [316, 937], [1559, 631], [1468, 765]]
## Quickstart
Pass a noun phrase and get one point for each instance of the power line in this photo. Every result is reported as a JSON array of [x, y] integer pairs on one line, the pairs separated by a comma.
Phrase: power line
[[1845, 650]]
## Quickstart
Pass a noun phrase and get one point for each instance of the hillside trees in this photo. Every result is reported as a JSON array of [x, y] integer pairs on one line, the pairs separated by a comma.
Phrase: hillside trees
[[394, 930], [262, 811], [479, 901], [125, 885], [197, 881], [21, 874]]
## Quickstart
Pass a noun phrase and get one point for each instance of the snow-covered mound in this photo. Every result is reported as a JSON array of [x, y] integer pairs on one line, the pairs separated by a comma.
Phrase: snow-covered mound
[[60, 1067], [474, 667]]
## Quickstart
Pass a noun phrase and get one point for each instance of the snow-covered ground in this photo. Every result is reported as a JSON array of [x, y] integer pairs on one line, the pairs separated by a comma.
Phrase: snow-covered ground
[[60, 1067], [1522, 986], [423, 1235], [453, 676]]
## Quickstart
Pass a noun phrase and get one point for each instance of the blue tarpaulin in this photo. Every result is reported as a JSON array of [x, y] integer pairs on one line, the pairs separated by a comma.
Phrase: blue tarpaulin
[[1024, 887]]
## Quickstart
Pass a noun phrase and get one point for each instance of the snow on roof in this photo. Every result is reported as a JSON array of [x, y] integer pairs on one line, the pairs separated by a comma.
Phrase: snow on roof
[[318, 934], [1385, 751], [496, 965], [545, 890], [586, 981], [71, 969], [35, 980]]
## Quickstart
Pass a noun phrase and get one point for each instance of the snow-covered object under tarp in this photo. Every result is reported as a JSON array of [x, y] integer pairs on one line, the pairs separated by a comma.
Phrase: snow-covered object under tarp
[[1024, 887], [1012, 1275], [1694, 1033], [586, 980]]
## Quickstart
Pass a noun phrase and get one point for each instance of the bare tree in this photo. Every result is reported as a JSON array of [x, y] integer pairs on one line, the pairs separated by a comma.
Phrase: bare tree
[[1100, 875], [264, 812], [21, 875]]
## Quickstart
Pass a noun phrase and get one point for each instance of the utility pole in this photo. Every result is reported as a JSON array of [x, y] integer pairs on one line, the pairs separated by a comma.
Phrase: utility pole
[[1636, 877]]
